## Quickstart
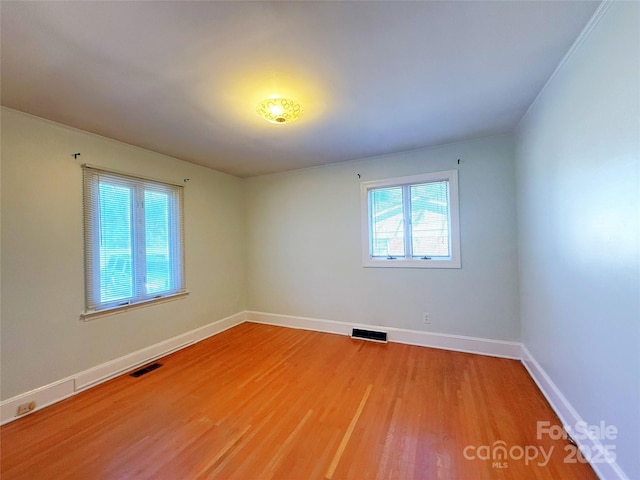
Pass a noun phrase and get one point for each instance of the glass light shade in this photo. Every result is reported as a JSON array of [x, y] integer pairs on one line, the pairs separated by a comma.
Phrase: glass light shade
[[279, 110]]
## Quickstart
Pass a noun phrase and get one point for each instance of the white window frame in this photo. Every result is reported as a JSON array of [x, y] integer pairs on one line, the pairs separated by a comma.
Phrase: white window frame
[[93, 307], [453, 261]]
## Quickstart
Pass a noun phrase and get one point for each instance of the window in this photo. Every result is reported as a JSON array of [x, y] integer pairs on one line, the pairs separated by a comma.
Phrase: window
[[411, 221], [133, 240]]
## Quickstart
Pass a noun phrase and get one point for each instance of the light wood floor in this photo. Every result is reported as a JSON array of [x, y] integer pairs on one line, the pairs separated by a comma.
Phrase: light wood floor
[[259, 402]]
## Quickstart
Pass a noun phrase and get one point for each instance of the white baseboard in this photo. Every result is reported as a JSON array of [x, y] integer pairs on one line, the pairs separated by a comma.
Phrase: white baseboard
[[67, 387], [458, 343], [569, 416]]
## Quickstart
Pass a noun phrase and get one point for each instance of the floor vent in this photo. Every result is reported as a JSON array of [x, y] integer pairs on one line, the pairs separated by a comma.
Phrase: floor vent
[[369, 335], [147, 369]]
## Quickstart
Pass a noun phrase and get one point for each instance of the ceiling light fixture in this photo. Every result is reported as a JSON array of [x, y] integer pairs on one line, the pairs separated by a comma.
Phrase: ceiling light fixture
[[279, 110]]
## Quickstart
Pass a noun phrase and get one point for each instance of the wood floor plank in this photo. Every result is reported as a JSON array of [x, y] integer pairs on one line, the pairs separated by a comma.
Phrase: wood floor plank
[[258, 402], [347, 434]]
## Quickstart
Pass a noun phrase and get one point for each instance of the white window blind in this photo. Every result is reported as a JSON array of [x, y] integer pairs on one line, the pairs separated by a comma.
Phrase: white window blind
[[411, 221], [430, 235], [133, 239]]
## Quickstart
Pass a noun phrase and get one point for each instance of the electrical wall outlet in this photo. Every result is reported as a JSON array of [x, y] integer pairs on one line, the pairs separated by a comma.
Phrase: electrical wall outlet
[[26, 408], [426, 318]]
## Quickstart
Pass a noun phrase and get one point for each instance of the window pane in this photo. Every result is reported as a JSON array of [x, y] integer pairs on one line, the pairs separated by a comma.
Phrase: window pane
[[387, 222], [156, 212], [430, 219], [116, 280]]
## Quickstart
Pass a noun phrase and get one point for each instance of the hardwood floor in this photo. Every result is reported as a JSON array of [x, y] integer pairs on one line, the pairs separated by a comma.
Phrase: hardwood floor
[[262, 402]]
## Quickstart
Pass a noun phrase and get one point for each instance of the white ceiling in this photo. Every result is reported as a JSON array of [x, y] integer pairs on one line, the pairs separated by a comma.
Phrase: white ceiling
[[184, 77]]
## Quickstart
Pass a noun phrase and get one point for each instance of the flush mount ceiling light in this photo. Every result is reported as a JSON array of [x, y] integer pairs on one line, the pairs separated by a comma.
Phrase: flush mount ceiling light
[[279, 110]]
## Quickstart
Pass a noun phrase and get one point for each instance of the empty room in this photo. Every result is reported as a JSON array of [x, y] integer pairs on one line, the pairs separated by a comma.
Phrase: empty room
[[320, 240]]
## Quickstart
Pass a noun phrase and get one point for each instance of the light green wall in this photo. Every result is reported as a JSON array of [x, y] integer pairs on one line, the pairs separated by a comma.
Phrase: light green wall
[[305, 250], [578, 164], [43, 338]]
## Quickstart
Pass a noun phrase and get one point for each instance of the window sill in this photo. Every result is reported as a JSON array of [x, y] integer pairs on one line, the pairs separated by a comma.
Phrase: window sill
[[92, 315], [402, 263]]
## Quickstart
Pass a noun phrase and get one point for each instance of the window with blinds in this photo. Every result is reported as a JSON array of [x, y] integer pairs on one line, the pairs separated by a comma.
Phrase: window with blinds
[[133, 240], [411, 221]]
